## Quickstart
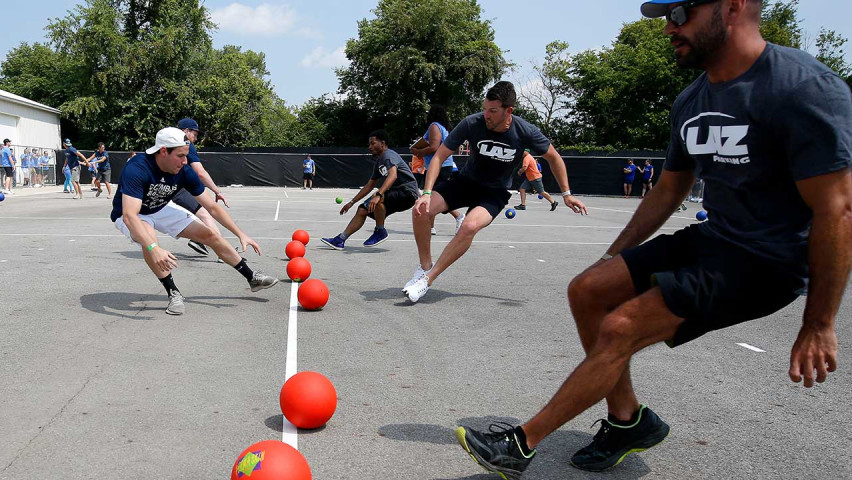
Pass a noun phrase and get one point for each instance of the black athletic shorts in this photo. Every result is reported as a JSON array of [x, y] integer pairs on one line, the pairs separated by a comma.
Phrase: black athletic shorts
[[710, 282], [9, 171], [187, 201], [446, 174], [460, 191], [307, 176], [394, 200]]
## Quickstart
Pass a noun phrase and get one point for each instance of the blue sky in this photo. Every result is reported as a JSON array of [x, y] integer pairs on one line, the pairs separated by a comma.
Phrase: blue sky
[[303, 39]]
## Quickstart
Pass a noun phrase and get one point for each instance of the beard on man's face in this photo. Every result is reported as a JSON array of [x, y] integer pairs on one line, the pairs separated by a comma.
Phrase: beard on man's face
[[705, 44]]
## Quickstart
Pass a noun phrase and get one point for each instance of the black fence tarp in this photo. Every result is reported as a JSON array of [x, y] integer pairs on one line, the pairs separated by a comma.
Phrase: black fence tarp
[[588, 174]]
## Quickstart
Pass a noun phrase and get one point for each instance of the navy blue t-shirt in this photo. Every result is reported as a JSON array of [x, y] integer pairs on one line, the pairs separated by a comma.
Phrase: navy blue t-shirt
[[629, 177], [71, 157], [103, 166], [788, 118], [495, 157], [143, 180], [192, 156]]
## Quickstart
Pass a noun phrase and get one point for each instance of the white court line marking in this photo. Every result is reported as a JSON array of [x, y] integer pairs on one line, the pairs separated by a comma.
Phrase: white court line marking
[[285, 194], [290, 434], [511, 246], [277, 209], [3, 261], [72, 240], [540, 260], [751, 347]]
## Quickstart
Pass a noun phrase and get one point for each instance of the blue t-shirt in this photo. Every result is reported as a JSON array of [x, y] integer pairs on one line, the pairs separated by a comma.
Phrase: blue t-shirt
[[308, 165], [44, 162], [103, 166], [25, 160], [450, 161], [7, 157], [71, 157], [630, 176], [788, 118], [648, 173], [142, 179], [192, 156], [495, 157], [404, 178]]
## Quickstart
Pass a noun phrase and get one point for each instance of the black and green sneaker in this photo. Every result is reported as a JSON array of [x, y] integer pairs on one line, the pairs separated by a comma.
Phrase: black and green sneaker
[[614, 442], [498, 452]]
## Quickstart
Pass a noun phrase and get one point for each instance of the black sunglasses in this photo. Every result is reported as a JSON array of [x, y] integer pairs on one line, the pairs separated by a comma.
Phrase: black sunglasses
[[678, 15]]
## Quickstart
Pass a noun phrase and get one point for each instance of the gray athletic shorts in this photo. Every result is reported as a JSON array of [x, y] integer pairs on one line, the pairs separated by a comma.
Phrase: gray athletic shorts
[[75, 174], [536, 185], [105, 176]]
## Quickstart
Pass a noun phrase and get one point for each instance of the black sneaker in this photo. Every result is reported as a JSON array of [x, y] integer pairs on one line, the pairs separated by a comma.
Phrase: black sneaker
[[498, 451], [553, 206], [614, 442], [198, 247], [520, 207]]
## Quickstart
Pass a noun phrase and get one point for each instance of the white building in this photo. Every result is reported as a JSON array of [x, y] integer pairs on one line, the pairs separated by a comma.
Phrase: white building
[[29, 125]]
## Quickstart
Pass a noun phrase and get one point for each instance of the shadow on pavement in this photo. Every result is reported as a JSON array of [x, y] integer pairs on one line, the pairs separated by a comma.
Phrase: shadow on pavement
[[134, 305]]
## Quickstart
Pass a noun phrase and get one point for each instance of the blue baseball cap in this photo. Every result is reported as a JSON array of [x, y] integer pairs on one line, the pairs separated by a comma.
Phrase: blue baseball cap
[[188, 123], [68, 142], [657, 8]]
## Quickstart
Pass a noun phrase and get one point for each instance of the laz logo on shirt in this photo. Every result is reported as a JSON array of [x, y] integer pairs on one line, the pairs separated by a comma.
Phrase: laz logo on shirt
[[383, 170], [496, 150], [721, 141]]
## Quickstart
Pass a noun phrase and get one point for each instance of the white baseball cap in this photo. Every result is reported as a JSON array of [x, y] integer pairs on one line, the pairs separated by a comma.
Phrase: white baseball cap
[[169, 137]]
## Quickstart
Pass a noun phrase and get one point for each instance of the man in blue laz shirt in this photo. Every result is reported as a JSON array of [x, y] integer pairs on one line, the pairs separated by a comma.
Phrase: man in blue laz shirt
[[769, 129], [142, 206], [309, 169]]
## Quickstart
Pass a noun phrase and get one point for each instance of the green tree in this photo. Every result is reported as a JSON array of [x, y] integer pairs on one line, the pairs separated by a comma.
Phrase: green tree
[[780, 24], [544, 99], [122, 69], [621, 96], [830, 52], [418, 52]]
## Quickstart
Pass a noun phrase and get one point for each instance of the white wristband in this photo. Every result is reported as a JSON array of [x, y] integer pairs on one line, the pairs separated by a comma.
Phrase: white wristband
[[566, 193], [606, 256]]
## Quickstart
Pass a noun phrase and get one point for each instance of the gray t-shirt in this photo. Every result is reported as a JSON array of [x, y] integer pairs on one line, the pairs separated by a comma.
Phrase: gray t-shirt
[[496, 157], [786, 119], [404, 178]]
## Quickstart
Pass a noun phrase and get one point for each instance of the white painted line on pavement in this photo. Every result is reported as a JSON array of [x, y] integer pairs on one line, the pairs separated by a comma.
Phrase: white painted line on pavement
[[285, 194], [72, 240], [277, 209], [540, 260], [511, 246], [289, 432], [751, 347]]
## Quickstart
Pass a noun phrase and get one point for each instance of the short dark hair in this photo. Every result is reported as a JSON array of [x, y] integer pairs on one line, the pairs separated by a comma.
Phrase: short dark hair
[[380, 135], [101, 144], [6, 140], [503, 91], [437, 113]]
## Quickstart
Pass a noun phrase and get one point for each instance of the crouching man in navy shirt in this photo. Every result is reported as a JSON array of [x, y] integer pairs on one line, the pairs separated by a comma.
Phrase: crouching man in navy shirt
[[143, 204]]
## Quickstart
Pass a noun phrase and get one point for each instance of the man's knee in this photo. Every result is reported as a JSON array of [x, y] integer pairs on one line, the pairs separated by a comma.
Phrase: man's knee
[[618, 335]]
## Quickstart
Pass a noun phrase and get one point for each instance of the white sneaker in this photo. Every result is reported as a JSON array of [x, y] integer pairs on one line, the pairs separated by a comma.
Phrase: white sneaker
[[434, 232], [459, 223], [418, 274], [420, 287]]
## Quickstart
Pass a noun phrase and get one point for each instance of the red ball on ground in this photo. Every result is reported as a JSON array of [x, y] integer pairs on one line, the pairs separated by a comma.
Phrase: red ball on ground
[[295, 249], [308, 399], [271, 460], [299, 269], [313, 294], [301, 236]]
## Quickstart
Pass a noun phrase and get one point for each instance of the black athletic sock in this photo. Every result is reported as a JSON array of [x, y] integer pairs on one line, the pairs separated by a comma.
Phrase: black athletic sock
[[621, 423], [244, 269], [169, 283], [522, 440]]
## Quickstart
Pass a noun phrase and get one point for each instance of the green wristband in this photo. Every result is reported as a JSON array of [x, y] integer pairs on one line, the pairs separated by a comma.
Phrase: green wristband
[[427, 192], [151, 247]]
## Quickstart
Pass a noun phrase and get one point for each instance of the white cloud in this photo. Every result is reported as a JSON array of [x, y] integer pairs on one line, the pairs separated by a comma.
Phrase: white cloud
[[321, 57], [265, 19]]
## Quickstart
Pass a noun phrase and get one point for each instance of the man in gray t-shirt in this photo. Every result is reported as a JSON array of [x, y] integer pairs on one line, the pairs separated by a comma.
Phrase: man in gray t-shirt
[[497, 141], [769, 129], [397, 192]]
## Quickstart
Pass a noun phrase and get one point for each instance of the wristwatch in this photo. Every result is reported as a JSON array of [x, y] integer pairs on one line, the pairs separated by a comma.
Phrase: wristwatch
[[380, 195]]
